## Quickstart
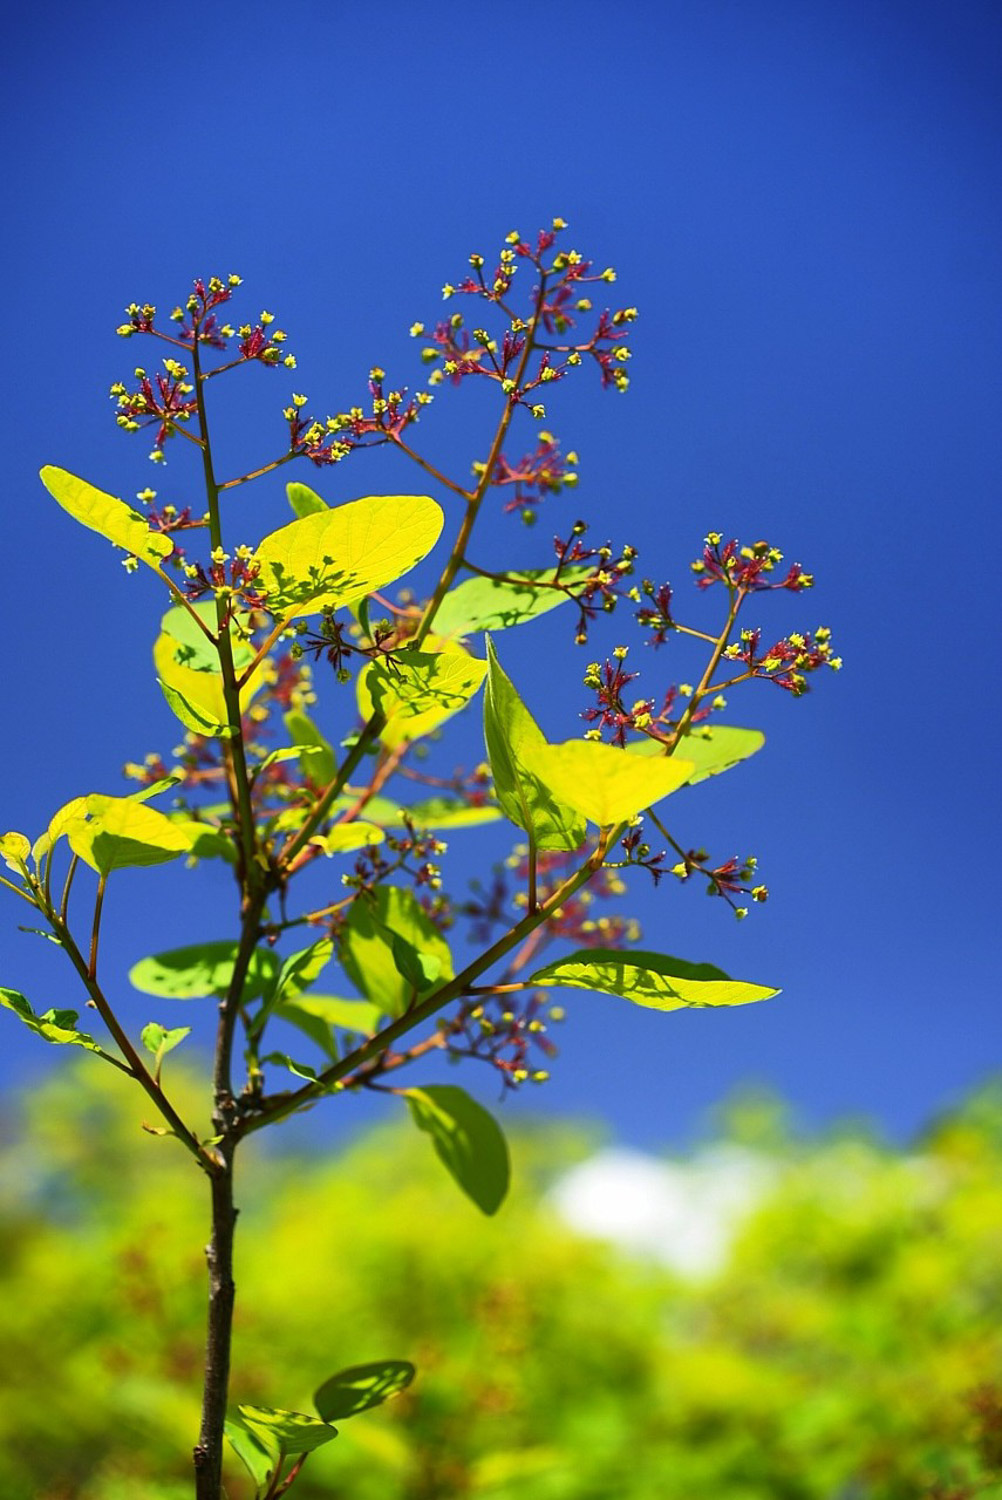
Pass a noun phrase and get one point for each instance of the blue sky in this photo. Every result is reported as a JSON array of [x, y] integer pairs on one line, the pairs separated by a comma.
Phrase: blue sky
[[803, 201]]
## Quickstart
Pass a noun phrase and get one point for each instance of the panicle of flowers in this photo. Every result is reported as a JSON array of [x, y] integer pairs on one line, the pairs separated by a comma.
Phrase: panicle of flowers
[[558, 301], [608, 682], [198, 317], [233, 578], [600, 590], [503, 1030], [656, 616], [544, 472], [788, 662], [748, 569], [416, 853], [166, 399], [198, 322], [329, 441], [609, 679], [731, 880], [639, 852]]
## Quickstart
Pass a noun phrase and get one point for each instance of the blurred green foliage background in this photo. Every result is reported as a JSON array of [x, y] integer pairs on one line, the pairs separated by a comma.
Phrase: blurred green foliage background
[[851, 1349]]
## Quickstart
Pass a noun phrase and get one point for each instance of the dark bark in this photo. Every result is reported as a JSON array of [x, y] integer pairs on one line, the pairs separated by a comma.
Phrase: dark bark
[[219, 1257]]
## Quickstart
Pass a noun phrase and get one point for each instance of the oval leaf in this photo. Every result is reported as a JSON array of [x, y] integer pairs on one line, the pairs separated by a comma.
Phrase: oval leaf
[[106, 515], [498, 603], [467, 1139], [362, 1386], [344, 838], [159, 1040], [195, 696], [193, 647], [329, 558], [256, 1451], [358, 1016], [203, 969], [433, 813], [602, 782], [711, 749], [293, 1431], [14, 850], [320, 767], [304, 501], [418, 691], [113, 833], [510, 733], [367, 950], [650, 979], [54, 1026]]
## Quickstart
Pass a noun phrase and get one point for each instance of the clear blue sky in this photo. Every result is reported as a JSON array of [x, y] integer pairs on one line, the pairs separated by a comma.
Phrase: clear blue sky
[[803, 200]]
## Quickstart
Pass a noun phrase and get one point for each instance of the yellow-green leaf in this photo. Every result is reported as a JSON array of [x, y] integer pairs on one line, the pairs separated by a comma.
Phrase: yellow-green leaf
[[468, 1141], [108, 516], [602, 782], [510, 733], [60, 821], [304, 501], [345, 838], [331, 557], [57, 1026], [651, 979], [498, 603], [14, 850], [712, 748], [367, 953], [196, 697], [114, 832], [419, 691], [294, 1431]]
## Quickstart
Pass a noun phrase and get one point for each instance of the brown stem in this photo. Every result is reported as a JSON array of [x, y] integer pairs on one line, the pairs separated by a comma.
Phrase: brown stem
[[136, 1067], [208, 1455]]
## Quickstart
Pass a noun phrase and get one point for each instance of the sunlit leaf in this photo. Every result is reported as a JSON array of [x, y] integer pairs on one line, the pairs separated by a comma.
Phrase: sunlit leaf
[[362, 1386], [257, 1450], [57, 1026], [367, 947], [196, 697], [304, 501], [511, 733], [602, 782], [493, 604], [419, 690], [293, 1431], [344, 838], [358, 1016], [106, 515], [193, 648], [113, 833], [711, 749], [69, 813], [330, 557], [320, 767], [297, 973], [14, 850], [160, 1040], [203, 969], [650, 979], [204, 840], [431, 813], [467, 1139]]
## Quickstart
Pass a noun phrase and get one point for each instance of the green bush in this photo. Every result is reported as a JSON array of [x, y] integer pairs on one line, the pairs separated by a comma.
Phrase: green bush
[[848, 1351]]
